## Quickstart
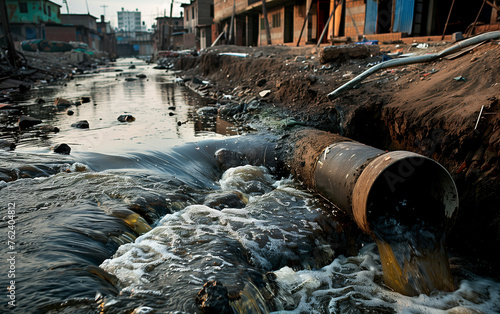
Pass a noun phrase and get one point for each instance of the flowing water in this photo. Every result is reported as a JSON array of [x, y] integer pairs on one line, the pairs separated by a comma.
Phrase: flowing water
[[140, 216]]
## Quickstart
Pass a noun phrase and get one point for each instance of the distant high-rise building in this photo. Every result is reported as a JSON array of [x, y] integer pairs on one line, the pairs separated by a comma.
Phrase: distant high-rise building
[[129, 21]]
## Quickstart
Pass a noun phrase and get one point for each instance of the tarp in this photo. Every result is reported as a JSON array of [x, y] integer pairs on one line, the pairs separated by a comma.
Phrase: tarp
[[371, 17], [403, 16], [45, 45]]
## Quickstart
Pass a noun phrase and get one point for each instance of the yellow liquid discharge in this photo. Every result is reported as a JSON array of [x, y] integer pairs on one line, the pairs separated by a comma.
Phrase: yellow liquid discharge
[[421, 272]]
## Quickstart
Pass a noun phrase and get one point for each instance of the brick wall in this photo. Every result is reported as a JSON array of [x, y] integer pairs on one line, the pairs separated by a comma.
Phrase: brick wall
[[60, 33], [354, 18]]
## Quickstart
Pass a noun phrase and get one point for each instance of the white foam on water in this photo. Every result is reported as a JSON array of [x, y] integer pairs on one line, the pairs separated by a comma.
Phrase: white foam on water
[[355, 283]]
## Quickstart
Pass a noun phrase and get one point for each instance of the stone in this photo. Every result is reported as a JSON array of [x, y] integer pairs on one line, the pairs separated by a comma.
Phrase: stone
[[126, 118], [300, 58], [62, 103], [264, 93], [7, 145], [83, 124], [130, 79], [346, 52], [253, 105], [132, 67], [457, 36], [62, 149], [311, 78], [207, 111], [70, 112], [230, 110], [25, 122], [214, 298], [85, 99], [48, 128], [226, 199], [141, 76]]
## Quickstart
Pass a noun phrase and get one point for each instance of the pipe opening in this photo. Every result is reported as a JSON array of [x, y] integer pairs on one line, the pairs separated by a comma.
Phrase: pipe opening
[[409, 208]]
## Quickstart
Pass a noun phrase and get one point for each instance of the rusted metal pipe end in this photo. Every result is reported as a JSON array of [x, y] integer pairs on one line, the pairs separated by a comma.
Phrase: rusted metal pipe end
[[364, 182], [401, 173]]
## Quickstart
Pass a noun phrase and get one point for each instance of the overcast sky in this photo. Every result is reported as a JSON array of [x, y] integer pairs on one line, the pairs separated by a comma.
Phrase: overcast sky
[[150, 9]]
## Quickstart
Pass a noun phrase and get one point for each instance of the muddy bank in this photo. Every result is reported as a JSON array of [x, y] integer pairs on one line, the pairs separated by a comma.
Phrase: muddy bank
[[429, 108]]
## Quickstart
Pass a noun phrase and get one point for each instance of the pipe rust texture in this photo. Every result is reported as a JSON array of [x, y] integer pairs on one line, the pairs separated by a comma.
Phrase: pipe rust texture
[[300, 152]]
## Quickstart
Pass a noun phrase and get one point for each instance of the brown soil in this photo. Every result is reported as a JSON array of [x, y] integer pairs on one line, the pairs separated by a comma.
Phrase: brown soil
[[420, 108]]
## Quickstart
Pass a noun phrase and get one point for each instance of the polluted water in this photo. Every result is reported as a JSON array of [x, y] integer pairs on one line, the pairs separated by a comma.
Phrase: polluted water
[[140, 217]]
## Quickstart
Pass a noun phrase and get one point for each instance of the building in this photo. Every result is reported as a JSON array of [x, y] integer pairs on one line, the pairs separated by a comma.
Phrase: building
[[108, 37], [129, 21], [179, 39], [28, 18], [198, 20], [76, 28], [297, 22]]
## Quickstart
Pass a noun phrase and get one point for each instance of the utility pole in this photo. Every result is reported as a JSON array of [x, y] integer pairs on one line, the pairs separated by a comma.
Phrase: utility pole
[[170, 26], [66, 2], [104, 9]]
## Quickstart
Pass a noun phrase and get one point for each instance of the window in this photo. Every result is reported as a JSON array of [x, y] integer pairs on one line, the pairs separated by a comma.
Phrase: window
[[211, 10], [276, 20], [44, 9], [192, 12], [50, 10], [23, 7], [187, 15], [262, 24]]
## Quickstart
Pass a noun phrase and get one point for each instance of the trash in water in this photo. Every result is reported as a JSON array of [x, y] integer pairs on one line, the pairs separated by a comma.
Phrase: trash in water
[[460, 78]]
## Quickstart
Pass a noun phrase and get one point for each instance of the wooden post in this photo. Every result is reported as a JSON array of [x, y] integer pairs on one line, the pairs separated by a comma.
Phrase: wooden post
[[266, 22], [231, 27], [447, 20], [11, 49], [305, 22]]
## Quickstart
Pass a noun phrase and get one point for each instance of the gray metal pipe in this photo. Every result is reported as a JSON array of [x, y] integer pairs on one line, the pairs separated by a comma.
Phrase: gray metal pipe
[[364, 181], [412, 60]]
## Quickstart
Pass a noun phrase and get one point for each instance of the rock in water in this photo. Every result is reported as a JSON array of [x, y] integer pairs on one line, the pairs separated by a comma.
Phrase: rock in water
[[213, 298], [62, 149], [83, 124], [7, 145], [226, 199], [126, 118], [25, 122]]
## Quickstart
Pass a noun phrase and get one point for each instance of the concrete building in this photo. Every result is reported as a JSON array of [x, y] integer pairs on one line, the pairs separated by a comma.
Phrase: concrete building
[[293, 22], [198, 20], [108, 37], [129, 21], [179, 38], [28, 18]]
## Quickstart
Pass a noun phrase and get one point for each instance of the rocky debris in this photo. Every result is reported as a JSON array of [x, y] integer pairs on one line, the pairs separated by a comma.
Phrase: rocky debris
[[26, 122], [214, 298], [126, 118], [346, 52], [141, 76], [226, 199], [85, 99], [62, 148], [62, 103], [48, 128], [70, 112], [83, 124], [132, 66], [7, 145], [264, 93], [229, 110], [207, 111]]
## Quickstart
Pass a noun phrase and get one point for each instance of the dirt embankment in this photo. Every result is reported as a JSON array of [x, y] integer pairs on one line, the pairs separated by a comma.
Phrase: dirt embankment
[[429, 108]]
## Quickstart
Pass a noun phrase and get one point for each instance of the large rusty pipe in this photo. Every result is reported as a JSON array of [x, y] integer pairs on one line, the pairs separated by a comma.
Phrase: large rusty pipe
[[351, 175], [405, 201]]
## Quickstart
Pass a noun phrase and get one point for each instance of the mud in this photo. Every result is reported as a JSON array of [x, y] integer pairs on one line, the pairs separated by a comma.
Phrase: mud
[[420, 108]]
